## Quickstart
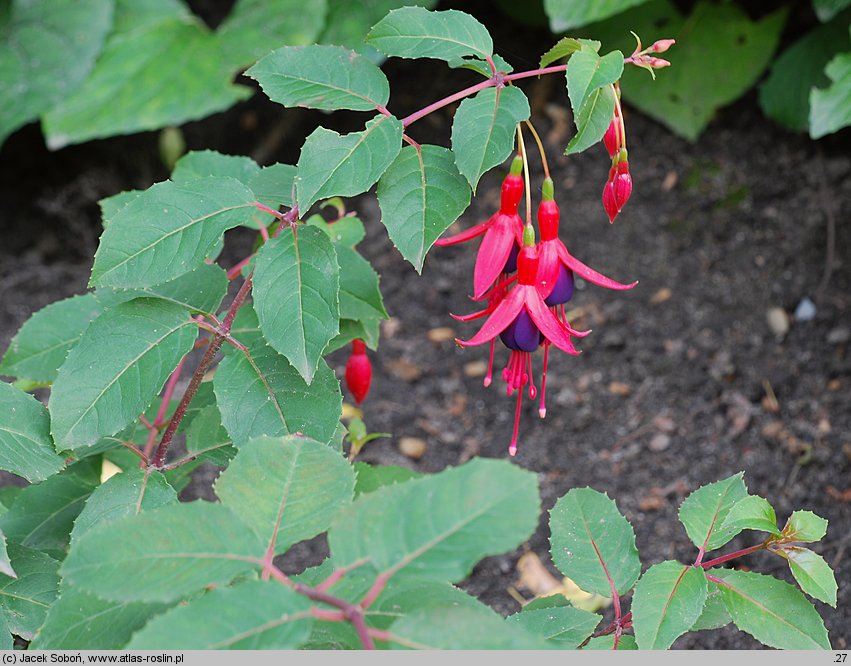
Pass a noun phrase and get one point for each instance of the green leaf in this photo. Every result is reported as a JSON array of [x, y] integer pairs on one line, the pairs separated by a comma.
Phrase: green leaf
[[205, 163], [43, 514], [360, 296], [25, 445], [830, 108], [207, 438], [296, 284], [24, 600], [255, 27], [481, 66], [352, 330], [404, 597], [461, 629], [805, 526], [564, 48], [335, 165], [171, 551], [127, 91], [704, 511], [483, 130], [827, 9], [592, 120], [272, 398], [414, 32], [565, 626], [772, 611], [274, 185], [785, 94], [348, 23], [321, 77], [48, 49], [588, 72], [626, 642], [43, 342], [348, 231], [125, 494], [253, 615], [287, 489], [5, 563], [168, 230], [125, 355], [109, 206], [372, 477], [813, 574], [701, 78], [714, 615], [82, 621], [566, 14], [751, 513], [439, 526], [420, 195], [592, 543], [200, 290], [668, 600]]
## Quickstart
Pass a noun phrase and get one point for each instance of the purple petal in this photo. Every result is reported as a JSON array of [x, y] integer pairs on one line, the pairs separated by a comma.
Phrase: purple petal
[[521, 334]]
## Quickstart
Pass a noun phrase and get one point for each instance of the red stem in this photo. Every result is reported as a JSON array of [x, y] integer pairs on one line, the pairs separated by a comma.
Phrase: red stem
[[731, 556]]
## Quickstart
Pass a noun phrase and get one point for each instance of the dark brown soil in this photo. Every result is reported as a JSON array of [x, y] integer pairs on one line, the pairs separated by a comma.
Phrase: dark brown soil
[[674, 387]]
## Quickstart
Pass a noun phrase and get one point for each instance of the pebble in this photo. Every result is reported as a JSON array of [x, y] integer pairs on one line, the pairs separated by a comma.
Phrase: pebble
[[659, 442], [778, 321], [413, 447], [806, 310], [664, 294], [475, 368], [839, 335], [441, 334]]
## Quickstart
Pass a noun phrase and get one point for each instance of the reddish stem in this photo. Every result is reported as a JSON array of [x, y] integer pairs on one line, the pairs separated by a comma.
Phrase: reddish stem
[[732, 556]]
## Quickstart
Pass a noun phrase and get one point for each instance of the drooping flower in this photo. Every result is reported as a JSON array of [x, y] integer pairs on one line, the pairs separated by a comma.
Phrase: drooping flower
[[502, 235], [358, 372], [523, 321]]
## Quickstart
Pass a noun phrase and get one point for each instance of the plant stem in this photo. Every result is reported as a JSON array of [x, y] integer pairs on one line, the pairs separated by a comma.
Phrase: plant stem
[[540, 148], [731, 556], [522, 146]]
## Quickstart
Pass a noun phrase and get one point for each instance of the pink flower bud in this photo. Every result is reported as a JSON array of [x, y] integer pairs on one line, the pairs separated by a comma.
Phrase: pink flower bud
[[661, 45], [621, 189], [610, 139], [658, 63], [609, 202]]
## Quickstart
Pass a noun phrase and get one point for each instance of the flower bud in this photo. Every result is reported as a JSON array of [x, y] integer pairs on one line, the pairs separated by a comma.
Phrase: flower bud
[[609, 203], [622, 188], [610, 139], [661, 45], [358, 372]]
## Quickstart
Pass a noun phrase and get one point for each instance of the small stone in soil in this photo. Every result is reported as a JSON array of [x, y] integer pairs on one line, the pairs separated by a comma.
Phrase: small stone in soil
[[839, 335], [620, 388], [412, 447], [664, 294], [441, 334], [659, 442], [475, 368], [778, 321]]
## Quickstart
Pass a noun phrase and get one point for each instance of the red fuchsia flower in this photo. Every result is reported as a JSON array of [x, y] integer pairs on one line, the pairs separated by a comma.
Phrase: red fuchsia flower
[[503, 235], [358, 372], [618, 187], [523, 321], [556, 269]]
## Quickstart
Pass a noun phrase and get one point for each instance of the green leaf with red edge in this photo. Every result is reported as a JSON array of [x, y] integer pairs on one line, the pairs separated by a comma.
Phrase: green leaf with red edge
[[566, 14], [704, 511], [438, 527], [668, 600], [483, 130], [334, 165], [805, 526], [813, 574], [592, 543], [26, 448], [420, 195], [321, 77], [752, 513], [414, 32], [172, 551], [772, 611], [126, 355], [168, 230], [296, 295], [287, 488]]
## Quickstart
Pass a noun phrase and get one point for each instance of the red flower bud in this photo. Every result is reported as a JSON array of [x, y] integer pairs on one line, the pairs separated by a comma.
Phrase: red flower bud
[[610, 139], [358, 372], [622, 188], [609, 202]]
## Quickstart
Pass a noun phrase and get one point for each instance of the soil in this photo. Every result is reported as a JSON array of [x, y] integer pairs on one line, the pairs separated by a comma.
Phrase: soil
[[701, 371]]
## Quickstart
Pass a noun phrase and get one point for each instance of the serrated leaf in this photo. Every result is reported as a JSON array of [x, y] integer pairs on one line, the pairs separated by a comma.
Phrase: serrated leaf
[[296, 285], [829, 107], [751, 513], [566, 14], [592, 543], [273, 399], [253, 615], [42, 343], [360, 296], [701, 79], [368, 331], [813, 574], [414, 32], [125, 494], [592, 120], [109, 206], [26, 448], [82, 621], [287, 489], [168, 230], [420, 195], [334, 165], [625, 642], [565, 626], [588, 72], [481, 66], [564, 48], [668, 600], [372, 477], [204, 163], [200, 290], [805, 526], [24, 600], [704, 511], [321, 77], [772, 611], [172, 551], [785, 94], [207, 438], [440, 526], [461, 629], [714, 615], [274, 185], [127, 91], [49, 48], [44, 513], [255, 27], [125, 356], [483, 130]]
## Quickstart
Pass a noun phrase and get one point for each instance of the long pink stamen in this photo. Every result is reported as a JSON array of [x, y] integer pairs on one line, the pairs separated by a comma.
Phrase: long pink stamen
[[489, 376], [512, 448], [532, 390], [542, 410]]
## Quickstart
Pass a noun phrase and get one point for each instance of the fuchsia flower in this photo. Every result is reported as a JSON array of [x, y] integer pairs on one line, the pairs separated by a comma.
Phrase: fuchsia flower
[[503, 235]]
